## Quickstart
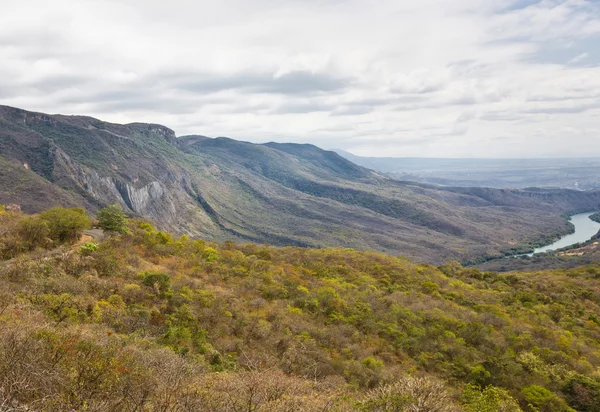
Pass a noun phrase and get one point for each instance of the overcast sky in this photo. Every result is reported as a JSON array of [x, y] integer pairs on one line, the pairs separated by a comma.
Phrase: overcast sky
[[431, 78]]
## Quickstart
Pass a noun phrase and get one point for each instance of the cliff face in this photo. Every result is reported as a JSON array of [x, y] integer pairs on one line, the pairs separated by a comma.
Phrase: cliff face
[[100, 163], [283, 194]]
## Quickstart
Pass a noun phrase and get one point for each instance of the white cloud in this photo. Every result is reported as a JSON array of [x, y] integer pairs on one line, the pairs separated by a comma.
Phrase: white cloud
[[378, 77], [579, 58]]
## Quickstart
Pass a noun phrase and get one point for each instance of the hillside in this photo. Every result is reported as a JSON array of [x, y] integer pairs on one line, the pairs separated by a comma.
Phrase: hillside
[[283, 194], [145, 321]]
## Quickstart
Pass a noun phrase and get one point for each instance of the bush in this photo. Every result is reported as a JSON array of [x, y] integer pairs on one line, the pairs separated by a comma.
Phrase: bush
[[112, 218], [34, 232], [66, 225], [490, 399], [583, 393], [409, 394], [160, 282], [88, 248], [543, 400]]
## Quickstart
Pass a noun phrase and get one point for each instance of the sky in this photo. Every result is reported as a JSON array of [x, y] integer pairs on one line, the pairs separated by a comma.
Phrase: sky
[[422, 78]]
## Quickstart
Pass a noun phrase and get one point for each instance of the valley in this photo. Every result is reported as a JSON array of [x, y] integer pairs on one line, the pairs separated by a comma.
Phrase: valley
[[193, 217], [585, 229], [283, 194], [567, 173]]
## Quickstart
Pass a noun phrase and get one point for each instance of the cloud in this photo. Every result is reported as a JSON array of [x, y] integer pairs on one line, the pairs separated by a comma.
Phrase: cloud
[[353, 110], [569, 108], [297, 82], [407, 78], [301, 107], [580, 57]]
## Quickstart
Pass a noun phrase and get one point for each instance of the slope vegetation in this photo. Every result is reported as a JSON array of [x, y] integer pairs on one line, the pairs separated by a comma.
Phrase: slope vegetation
[[145, 321]]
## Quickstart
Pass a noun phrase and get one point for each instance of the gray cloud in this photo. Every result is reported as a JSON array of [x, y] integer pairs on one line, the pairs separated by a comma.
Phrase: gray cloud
[[501, 117], [333, 73], [579, 108], [302, 107], [295, 83], [58, 82], [352, 110]]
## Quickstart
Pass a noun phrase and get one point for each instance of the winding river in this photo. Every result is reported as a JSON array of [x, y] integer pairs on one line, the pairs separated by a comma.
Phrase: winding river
[[585, 229]]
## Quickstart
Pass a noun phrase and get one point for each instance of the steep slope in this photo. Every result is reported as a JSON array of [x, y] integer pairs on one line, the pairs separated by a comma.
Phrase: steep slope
[[285, 194], [19, 183], [135, 165]]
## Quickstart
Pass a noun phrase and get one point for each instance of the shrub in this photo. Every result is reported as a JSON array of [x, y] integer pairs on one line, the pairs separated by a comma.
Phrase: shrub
[[543, 400], [409, 394], [490, 399], [112, 218], [160, 282], [66, 225], [88, 249], [34, 232], [583, 393], [210, 254]]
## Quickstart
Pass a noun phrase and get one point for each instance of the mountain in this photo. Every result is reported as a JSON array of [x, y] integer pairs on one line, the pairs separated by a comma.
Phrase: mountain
[[579, 174], [284, 194]]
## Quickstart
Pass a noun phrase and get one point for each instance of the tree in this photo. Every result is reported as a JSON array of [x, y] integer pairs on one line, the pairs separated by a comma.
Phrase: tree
[[541, 399], [112, 218], [66, 225], [34, 232], [490, 399], [160, 282], [583, 393]]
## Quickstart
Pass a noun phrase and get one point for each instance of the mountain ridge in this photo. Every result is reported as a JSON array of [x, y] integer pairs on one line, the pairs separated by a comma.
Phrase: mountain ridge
[[280, 193]]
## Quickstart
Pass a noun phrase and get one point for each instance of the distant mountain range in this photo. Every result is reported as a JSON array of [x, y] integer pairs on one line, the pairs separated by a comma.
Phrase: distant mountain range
[[568, 173], [284, 194]]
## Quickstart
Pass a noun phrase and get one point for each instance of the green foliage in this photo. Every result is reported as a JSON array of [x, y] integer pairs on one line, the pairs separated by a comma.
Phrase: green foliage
[[583, 393], [540, 399], [159, 282], [88, 248], [490, 399], [210, 254], [112, 218], [66, 225], [479, 375], [335, 318], [34, 232]]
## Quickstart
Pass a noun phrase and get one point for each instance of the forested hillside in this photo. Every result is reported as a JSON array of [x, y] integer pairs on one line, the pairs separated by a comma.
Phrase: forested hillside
[[142, 320]]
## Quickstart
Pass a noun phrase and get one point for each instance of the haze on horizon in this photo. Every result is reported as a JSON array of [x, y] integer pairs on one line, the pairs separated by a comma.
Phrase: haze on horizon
[[414, 78]]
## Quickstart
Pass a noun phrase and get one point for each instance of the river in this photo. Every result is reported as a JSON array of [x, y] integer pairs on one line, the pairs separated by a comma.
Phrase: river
[[585, 229]]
